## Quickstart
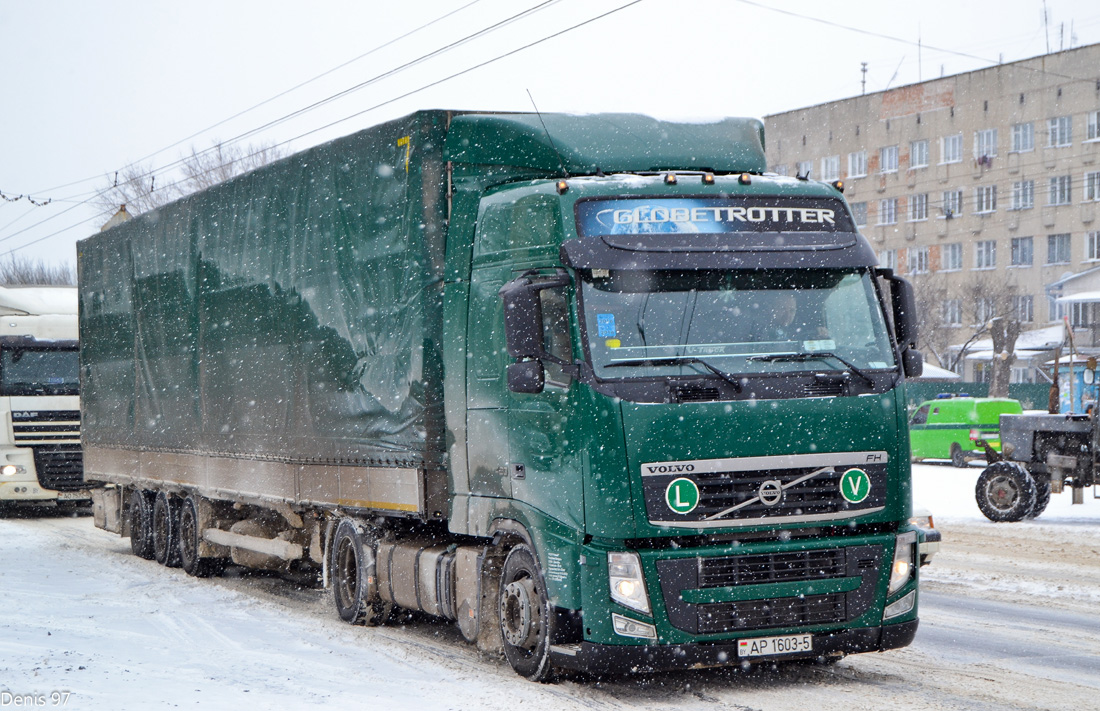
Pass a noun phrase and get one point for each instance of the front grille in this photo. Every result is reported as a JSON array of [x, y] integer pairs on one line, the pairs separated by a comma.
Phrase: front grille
[[60, 467], [754, 489], [696, 394], [782, 612], [855, 568], [45, 427], [772, 568]]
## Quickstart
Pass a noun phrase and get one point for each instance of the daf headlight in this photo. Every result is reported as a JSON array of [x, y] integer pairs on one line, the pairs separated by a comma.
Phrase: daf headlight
[[11, 470], [627, 584], [902, 568]]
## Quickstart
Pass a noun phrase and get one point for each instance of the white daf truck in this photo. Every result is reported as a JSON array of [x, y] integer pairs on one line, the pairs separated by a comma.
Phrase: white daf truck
[[40, 456]]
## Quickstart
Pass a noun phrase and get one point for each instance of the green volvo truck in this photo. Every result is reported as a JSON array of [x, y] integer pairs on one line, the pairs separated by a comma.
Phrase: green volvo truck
[[596, 388]]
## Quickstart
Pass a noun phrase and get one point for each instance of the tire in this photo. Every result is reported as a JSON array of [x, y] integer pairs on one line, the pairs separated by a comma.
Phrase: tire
[[957, 457], [352, 565], [1042, 496], [524, 612], [1005, 492], [141, 523], [190, 539], [166, 520]]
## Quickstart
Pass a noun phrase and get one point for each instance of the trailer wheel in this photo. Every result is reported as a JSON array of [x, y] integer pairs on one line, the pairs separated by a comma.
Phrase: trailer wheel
[[166, 519], [957, 457], [525, 616], [1042, 496], [190, 539], [141, 523], [1005, 492], [353, 577]]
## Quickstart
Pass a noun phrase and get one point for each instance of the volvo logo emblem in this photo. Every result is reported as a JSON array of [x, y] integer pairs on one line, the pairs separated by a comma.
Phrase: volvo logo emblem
[[770, 492]]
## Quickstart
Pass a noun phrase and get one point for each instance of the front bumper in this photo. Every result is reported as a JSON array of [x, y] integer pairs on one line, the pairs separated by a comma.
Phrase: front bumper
[[619, 659]]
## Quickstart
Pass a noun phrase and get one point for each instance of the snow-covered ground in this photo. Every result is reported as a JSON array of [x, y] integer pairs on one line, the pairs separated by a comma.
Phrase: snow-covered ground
[[81, 615]]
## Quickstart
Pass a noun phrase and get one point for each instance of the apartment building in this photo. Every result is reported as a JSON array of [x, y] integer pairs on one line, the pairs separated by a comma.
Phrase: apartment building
[[983, 188]]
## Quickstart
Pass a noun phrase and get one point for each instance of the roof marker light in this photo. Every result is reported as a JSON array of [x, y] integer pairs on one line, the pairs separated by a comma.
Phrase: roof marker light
[[670, 178], [562, 187], [839, 185], [745, 179], [708, 178]]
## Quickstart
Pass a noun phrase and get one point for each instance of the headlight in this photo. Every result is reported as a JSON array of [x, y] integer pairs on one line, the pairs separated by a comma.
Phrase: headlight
[[627, 584], [902, 568], [11, 469]]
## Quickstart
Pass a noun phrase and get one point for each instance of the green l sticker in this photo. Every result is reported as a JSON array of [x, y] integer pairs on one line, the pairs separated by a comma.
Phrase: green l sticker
[[682, 495], [855, 485]]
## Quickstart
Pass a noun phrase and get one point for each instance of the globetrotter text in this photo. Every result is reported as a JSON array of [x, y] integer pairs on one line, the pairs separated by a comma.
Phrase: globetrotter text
[[654, 214]]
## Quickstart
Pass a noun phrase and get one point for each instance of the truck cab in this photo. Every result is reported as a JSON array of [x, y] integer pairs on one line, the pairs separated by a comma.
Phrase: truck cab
[[40, 456]]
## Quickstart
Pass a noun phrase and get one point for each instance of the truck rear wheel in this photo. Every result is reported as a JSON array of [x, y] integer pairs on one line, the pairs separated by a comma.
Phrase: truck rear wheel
[[190, 541], [353, 573], [141, 523], [525, 615], [1005, 492], [166, 517]]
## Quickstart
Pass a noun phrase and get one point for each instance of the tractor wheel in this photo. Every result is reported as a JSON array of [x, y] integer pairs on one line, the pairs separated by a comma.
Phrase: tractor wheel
[[1005, 492]]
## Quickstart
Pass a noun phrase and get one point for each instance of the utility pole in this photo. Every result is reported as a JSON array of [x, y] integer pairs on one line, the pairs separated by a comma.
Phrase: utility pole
[[863, 82]]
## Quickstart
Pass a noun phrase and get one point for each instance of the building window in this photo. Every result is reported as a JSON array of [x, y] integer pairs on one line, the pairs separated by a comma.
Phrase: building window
[[804, 168], [1023, 195], [985, 254], [918, 207], [985, 198], [888, 159], [1092, 132], [1024, 308], [1092, 186], [859, 213], [857, 164], [1022, 251], [985, 143], [918, 260], [952, 257], [780, 169], [1059, 190], [1079, 315], [888, 211], [888, 259], [1021, 375], [1092, 246], [830, 168], [1054, 309], [951, 149], [918, 154], [1059, 131], [952, 312], [1058, 249], [984, 309], [952, 203], [1023, 137]]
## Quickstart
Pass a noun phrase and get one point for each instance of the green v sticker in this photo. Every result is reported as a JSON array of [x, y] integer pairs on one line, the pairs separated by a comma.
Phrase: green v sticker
[[855, 485]]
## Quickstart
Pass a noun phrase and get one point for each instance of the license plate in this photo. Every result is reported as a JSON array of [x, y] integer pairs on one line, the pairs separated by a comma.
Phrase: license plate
[[767, 646], [72, 495]]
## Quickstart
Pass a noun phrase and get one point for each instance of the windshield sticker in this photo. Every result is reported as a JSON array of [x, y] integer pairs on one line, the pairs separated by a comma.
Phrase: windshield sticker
[[823, 345], [605, 325], [709, 216]]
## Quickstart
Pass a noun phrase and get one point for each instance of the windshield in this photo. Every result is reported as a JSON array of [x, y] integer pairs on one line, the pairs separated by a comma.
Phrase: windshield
[[661, 323], [39, 371]]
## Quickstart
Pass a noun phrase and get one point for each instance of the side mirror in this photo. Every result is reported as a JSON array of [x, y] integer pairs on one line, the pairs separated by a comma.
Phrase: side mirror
[[523, 317], [904, 303], [526, 376], [912, 361]]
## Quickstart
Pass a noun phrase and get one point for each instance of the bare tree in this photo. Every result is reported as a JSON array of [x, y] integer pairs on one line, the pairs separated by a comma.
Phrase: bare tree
[[24, 271], [139, 188]]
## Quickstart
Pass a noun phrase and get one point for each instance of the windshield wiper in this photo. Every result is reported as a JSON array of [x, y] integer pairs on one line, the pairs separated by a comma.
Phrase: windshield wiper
[[814, 355], [679, 360]]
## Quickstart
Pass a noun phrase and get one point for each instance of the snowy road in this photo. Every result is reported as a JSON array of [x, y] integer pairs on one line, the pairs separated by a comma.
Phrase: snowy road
[[1010, 619]]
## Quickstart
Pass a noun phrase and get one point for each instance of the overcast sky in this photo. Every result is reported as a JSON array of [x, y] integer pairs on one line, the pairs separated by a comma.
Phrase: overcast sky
[[88, 87]]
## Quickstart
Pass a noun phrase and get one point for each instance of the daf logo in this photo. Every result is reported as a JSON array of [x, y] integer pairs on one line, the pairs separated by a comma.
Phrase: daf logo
[[770, 492]]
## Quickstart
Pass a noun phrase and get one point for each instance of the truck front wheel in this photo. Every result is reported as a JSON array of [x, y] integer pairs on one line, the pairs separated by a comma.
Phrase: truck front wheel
[[525, 615], [1005, 492]]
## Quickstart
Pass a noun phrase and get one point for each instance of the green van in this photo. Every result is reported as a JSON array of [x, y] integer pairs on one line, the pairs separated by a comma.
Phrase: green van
[[949, 427]]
